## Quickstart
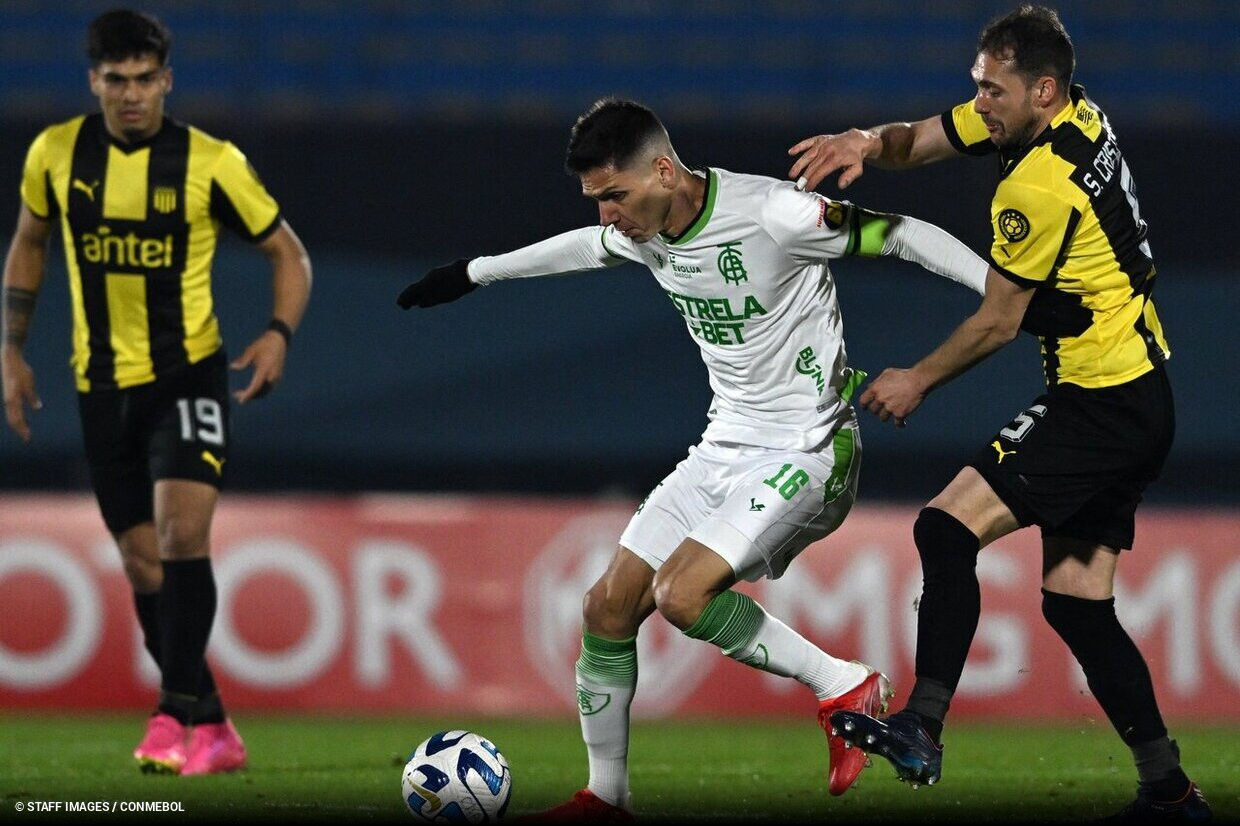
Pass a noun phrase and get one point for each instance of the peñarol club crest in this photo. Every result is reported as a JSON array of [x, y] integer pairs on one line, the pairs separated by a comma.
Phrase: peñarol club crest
[[164, 199], [731, 267]]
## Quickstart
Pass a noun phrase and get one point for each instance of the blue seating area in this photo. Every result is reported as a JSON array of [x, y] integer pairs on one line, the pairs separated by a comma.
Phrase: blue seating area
[[1165, 60]]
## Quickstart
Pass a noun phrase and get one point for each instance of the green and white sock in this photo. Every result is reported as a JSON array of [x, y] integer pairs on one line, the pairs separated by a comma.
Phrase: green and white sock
[[747, 633], [606, 682]]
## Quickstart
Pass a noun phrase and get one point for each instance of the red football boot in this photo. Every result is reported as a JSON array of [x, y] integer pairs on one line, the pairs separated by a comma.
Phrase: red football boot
[[870, 698], [585, 807]]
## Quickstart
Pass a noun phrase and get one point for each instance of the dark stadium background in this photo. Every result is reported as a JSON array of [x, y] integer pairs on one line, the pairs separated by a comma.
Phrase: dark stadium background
[[401, 135]]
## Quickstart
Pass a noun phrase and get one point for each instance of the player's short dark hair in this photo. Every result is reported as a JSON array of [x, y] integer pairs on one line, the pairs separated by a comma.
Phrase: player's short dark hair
[[120, 34], [1036, 40], [611, 133]]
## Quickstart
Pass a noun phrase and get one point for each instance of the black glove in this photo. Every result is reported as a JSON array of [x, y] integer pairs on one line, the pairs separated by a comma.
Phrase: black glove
[[439, 286]]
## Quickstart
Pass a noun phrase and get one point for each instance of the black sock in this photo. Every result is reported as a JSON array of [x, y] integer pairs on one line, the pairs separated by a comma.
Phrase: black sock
[[186, 612], [929, 700], [1114, 668], [951, 600], [147, 608], [208, 708]]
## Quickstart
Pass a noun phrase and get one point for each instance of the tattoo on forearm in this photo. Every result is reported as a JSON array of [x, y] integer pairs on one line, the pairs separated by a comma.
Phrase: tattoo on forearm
[[18, 308]]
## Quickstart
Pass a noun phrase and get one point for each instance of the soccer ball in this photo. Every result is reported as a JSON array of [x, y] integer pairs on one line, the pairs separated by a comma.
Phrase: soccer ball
[[456, 777]]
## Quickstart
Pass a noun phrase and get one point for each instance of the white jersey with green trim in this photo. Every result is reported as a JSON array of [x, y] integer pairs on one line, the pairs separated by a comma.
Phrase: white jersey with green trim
[[750, 278]]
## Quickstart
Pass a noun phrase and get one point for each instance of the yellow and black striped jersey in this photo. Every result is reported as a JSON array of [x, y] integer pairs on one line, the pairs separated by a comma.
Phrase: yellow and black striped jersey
[[140, 223], [1066, 222]]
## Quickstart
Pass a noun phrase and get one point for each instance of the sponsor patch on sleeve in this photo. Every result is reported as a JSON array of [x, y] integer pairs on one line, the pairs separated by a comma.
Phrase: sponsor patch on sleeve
[[831, 213], [1013, 225]]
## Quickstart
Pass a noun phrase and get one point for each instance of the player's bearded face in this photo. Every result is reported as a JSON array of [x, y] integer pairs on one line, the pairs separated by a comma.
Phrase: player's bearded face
[[1004, 101], [632, 200], [131, 95]]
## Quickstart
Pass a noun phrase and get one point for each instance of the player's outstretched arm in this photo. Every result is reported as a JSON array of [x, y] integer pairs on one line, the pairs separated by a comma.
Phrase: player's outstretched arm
[[572, 251], [439, 286], [935, 249], [890, 146]]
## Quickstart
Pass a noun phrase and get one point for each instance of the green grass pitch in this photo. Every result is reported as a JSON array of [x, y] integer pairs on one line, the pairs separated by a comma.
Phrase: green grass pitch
[[344, 769]]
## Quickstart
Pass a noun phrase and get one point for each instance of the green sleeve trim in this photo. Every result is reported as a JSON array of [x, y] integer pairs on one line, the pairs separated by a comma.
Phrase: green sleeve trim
[[609, 662], [852, 382], [730, 621], [872, 232]]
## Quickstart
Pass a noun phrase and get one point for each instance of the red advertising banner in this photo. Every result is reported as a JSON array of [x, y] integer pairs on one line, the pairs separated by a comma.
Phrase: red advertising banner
[[473, 605]]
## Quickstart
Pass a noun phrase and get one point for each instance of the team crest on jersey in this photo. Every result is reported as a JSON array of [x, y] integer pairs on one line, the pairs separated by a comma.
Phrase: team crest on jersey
[[1013, 225], [830, 213], [731, 267], [164, 199]]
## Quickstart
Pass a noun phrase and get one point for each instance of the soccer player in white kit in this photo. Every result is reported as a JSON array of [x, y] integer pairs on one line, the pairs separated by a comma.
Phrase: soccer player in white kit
[[743, 258]]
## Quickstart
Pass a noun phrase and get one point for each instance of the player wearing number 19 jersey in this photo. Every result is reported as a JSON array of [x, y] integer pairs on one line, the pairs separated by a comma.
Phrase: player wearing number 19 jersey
[[139, 200], [743, 260]]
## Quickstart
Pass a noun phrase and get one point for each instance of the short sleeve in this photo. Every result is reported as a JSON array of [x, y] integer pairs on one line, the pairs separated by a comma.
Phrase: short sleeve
[[238, 198], [1030, 225], [967, 131], [34, 186], [806, 225]]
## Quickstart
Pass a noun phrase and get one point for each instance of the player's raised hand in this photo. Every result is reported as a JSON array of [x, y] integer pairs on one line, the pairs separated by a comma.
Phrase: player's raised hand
[[439, 286], [821, 155]]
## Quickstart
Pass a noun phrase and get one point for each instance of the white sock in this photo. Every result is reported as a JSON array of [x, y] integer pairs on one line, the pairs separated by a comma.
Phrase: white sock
[[789, 654], [747, 633], [606, 683]]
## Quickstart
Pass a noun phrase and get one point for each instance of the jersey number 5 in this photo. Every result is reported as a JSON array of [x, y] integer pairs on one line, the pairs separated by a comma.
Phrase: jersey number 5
[[1023, 423]]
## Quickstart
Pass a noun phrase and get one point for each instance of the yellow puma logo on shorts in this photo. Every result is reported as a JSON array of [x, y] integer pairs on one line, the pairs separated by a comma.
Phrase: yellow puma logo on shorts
[[218, 464], [998, 447]]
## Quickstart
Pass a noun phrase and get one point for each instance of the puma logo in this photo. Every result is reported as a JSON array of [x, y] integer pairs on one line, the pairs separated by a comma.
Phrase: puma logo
[[218, 464], [999, 448], [89, 189]]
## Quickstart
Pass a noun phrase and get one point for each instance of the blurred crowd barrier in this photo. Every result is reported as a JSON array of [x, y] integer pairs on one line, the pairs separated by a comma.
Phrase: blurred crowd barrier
[[431, 604]]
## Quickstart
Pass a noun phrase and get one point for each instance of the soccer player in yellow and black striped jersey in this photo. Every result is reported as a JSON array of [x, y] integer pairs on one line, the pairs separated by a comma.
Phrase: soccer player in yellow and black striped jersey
[[1071, 264], [139, 200]]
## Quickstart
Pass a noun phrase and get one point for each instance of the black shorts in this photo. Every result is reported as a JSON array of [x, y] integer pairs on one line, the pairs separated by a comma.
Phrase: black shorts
[[172, 428], [1077, 461]]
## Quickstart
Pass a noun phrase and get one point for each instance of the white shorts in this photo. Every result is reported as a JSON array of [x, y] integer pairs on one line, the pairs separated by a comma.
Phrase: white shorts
[[757, 508]]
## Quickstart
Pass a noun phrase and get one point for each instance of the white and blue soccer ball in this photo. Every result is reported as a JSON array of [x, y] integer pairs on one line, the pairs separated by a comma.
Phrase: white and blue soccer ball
[[456, 777]]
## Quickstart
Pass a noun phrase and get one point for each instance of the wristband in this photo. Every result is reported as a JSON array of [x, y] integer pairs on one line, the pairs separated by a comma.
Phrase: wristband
[[281, 328]]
